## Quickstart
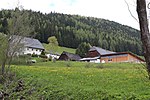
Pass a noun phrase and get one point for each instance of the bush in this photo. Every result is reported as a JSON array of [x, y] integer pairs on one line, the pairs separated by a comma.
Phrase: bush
[[42, 53], [43, 56], [20, 60], [44, 60], [49, 59], [34, 55], [29, 54]]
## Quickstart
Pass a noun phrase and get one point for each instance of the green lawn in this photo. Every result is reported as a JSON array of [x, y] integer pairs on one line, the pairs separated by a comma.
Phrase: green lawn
[[60, 49], [83, 81]]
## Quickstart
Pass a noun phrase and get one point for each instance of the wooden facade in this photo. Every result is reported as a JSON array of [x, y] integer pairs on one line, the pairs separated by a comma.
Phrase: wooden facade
[[120, 57], [64, 57], [106, 56], [69, 56], [96, 51], [93, 53]]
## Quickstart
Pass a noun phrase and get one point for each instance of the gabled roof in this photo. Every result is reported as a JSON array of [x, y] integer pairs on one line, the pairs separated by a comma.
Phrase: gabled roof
[[71, 56], [27, 42], [33, 43], [101, 51]]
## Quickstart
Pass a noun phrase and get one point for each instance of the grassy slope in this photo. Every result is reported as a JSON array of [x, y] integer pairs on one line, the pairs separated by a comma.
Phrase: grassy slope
[[60, 49], [85, 81]]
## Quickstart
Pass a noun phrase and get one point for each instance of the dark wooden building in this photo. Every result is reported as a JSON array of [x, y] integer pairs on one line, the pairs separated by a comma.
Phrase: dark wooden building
[[96, 51], [69, 56]]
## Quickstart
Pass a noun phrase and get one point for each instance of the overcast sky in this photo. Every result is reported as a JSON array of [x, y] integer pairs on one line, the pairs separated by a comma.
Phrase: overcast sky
[[114, 10]]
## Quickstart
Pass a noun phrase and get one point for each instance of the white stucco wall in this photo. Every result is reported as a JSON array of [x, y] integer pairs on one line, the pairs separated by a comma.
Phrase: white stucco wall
[[95, 61], [53, 56], [32, 51]]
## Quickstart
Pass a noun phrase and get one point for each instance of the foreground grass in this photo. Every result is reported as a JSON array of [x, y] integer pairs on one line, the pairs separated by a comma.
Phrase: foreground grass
[[83, 81]]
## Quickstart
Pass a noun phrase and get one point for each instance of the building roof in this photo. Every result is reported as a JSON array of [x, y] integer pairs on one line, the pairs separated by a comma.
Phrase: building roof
[[101, 51], [89, 58], [71, 56], [27, 42], [32, 43]]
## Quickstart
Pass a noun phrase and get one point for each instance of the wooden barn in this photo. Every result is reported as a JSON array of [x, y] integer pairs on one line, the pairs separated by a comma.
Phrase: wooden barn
[[96, 51], [120, 57], [69, 56], [106, 56]]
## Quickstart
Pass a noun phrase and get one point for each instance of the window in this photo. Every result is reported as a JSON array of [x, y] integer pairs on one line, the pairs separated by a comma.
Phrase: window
[[109, 59]]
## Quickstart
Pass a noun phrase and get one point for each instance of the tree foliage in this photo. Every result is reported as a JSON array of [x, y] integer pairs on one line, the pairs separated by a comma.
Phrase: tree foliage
[[72, 30], [53, 44], [82, 49], [17, 24]]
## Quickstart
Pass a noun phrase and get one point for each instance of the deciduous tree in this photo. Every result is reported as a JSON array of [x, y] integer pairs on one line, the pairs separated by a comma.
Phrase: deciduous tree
[[82, 49], [145, 35], [18, 25], [53, 43]]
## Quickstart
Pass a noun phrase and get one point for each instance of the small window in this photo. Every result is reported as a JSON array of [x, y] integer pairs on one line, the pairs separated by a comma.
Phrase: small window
[[109, 59]]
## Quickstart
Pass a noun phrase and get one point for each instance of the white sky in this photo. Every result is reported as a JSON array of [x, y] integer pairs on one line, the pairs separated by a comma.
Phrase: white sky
[[114, 10]]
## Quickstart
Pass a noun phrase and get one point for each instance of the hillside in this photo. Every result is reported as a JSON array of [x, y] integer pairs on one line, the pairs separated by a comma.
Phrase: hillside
[[60, 49], [71, 30]]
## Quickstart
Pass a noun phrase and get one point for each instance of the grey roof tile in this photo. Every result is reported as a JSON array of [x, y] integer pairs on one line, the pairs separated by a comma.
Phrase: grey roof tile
[[28, 42], [101, 51], [33, 43], [72, 56]]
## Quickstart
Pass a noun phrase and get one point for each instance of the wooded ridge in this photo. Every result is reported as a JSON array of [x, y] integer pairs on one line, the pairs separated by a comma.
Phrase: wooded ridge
[[71, 30]]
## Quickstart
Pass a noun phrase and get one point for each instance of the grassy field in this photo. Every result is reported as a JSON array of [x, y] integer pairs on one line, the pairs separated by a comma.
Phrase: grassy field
[[83, 81], [60, 49]]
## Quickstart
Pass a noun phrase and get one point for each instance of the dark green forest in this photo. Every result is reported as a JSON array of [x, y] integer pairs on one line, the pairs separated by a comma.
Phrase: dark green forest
[[72, 30]]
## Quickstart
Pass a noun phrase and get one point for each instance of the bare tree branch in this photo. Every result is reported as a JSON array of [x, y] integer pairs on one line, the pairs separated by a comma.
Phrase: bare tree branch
[[130, 11]]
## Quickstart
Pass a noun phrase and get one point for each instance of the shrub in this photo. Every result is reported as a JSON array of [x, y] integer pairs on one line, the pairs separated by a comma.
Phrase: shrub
[[20, 60], [34, 55], [29, 54], [43, 56], [49, 59], [42, 53], [44, 60]]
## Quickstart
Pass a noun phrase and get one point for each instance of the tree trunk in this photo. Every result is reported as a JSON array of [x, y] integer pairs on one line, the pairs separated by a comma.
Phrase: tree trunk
[[3, 68], [145, 35]]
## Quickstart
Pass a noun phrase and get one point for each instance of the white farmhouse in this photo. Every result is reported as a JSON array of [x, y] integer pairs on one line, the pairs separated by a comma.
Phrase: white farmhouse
[[24, 45], [31, 46]]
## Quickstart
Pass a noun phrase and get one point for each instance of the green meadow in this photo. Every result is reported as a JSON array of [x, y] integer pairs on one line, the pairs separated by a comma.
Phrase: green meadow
[[82, 81], [59, 49]]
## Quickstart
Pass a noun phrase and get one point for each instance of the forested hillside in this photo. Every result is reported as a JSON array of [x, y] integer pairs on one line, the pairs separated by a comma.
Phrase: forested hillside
[[71, 30]]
